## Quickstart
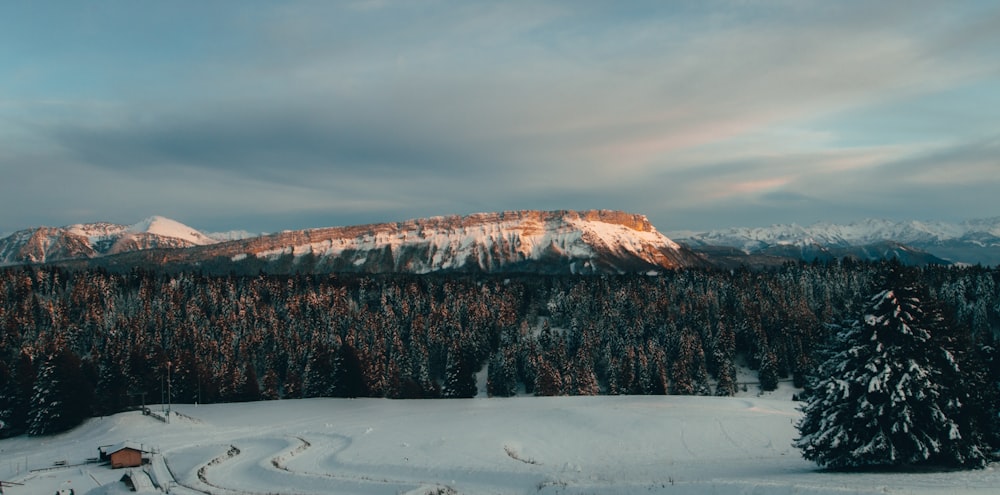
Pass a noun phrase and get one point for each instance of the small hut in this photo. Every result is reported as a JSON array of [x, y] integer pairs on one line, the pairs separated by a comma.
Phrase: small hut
[[124, 454]]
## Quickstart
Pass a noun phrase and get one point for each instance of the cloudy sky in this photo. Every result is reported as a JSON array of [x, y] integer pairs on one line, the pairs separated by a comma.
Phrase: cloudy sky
[[272, 115]]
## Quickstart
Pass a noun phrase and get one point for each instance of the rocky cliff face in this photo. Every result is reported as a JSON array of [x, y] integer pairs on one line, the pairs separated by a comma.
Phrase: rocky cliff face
[[594, 241], [43, 244]]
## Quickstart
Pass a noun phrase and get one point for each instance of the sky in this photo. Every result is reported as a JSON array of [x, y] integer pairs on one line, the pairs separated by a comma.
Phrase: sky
[[267, 115]]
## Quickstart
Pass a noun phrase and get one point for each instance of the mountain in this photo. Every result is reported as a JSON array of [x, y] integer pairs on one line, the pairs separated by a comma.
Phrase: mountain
[[595, 241], [971, 242], [92, 240]]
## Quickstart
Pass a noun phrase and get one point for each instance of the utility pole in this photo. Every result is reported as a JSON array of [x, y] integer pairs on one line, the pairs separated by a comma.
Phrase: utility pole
[[169, 365]]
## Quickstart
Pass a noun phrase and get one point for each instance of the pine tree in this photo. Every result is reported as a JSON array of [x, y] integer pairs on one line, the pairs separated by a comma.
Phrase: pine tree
[[768, 373], [460, 379], [349, 380], [46, 403], [880, 401], [15, 396], [501, 379], [724, 353], [320, 372], [61, 396]]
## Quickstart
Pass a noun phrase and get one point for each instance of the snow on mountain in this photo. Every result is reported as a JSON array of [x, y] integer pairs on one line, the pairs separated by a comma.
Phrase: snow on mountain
[[867, 231], [166, 227], [971, 241], [91, 240], [595, 241], [577, 242]]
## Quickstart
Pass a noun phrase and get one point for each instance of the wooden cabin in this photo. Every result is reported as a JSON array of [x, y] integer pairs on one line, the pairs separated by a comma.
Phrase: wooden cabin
[[123, 455]]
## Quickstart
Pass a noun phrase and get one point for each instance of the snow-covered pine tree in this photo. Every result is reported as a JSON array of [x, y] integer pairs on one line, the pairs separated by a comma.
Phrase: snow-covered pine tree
[[45, 415], [501, 379], [768, 373], [460, 379], [879, 399], [319, 376], [15, 396]]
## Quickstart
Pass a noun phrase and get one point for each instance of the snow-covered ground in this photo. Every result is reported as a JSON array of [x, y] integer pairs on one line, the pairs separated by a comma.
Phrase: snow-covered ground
[[575, 445]]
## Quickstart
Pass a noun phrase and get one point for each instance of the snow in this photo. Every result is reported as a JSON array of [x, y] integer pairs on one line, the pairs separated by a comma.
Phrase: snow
[[574, 445], [868, 231], [99, 239], [97, 231], [490, 243], [170, 228]]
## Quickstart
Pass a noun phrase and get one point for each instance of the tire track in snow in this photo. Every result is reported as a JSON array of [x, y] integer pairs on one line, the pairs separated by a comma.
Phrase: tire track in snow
[[321, 458], [685, 444], [259, 468], [279, 461], [730, 438]]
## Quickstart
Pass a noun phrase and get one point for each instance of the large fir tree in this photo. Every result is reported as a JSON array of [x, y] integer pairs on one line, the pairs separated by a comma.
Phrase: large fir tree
[[62, 395], [883, 399]]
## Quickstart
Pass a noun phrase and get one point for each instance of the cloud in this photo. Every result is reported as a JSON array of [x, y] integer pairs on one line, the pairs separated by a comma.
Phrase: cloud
[[405, 109]]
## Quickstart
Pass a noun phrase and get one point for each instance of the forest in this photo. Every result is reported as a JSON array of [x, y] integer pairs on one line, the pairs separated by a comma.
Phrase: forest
[[84, 343]]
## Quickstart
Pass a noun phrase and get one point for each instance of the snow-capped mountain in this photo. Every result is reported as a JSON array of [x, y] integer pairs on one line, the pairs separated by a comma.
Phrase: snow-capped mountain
[[91, 240], [973, 241], [596, 241]]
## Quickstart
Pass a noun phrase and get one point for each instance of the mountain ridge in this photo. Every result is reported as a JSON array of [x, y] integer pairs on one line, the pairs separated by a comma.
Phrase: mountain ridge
[[970, 242], [558, 241], [97, 239]]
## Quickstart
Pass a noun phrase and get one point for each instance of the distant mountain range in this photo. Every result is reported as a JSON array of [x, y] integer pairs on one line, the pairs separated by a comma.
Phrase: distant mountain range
[[85, 241], [593, 241], [969, 242]]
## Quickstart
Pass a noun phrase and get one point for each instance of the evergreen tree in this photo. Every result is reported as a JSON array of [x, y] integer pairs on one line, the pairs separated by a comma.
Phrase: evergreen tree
[[6, 380], [768, 373], [882, 399], [350, 380], [501, 379], [725, 350], [460, 379], [548, 380], [15, 396], [46, 401], [62, 395], [320, 372], [111, 391]]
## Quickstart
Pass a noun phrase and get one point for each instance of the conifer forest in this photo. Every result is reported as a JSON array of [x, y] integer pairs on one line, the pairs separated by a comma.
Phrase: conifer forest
[[77, 344]]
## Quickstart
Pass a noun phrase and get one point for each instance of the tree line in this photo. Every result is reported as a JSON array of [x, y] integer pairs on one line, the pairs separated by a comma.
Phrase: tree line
[[80, 343]]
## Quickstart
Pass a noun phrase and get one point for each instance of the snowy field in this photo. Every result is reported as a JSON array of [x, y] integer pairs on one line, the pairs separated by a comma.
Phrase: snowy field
[[573, 445]]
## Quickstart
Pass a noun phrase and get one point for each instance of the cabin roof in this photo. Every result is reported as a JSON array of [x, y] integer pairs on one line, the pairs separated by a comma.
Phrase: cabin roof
[[127, 444]]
